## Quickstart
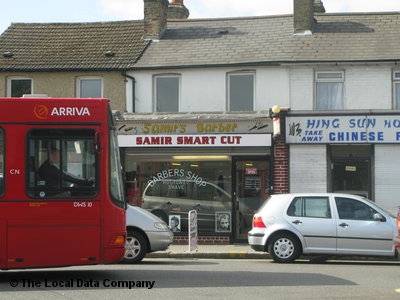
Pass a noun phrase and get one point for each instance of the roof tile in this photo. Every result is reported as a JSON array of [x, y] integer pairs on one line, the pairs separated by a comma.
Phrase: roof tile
[[72, 46]]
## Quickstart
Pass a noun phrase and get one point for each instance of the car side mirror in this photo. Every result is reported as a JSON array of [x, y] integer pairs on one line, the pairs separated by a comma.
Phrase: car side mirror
[[378, 217]]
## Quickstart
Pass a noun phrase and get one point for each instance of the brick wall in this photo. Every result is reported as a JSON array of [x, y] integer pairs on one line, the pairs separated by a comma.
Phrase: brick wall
[[203, 240], [280, 167]]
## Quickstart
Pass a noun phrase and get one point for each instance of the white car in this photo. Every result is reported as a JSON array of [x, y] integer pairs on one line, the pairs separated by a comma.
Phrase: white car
[[145, 233], [289, 225]]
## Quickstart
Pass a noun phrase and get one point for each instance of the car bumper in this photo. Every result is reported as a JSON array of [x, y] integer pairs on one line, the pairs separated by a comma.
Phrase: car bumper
[[256, 240], [160, 240], [397, 242]]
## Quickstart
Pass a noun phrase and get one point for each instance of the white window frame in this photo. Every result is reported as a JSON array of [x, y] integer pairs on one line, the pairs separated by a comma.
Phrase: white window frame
[[169, 75], [329, 79], [228, 88], [9, 83], [396, 88], [78, 85]]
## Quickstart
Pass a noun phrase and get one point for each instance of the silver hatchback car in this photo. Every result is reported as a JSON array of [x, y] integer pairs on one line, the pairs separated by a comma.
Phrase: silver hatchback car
[[145, 233], [290, 225]]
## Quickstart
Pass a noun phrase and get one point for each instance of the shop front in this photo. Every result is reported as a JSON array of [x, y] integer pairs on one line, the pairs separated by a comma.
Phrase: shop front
[[219, 167], [354, 153]]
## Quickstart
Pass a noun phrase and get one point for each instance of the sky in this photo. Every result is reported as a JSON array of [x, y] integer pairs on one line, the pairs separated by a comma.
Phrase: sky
[[49, 11]]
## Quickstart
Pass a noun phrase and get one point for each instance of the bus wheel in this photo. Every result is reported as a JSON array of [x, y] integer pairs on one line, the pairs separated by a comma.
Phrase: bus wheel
[[135, 247]]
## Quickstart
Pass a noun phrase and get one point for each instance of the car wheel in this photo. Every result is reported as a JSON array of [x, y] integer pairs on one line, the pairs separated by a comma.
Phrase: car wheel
[[135, 247], [284, 248]]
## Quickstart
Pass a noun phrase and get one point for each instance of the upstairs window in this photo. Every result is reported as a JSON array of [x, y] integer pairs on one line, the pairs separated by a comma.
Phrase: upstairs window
[[396, 83], [167, 93], [17, 87], [241, 92], [90, 88], [329, 90]]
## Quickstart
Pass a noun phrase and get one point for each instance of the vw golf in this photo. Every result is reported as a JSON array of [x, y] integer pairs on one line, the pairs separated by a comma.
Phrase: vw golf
[[290, 225]]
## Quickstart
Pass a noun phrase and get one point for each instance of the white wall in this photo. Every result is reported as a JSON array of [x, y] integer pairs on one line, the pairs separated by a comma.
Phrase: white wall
[[204, 90], [365, 87], [301, 88], [307, 168], [368, 87]]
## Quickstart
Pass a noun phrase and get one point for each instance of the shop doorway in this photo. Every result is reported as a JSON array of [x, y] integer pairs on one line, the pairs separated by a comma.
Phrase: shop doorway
[[251, 177], [351, 170]]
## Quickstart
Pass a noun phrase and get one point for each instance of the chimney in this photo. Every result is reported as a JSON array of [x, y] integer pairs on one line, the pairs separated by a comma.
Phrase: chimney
[[303, 15], [303, 20], [177, 10], [155, 18]]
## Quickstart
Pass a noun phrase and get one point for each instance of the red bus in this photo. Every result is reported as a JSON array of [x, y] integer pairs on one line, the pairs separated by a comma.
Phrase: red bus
[[61, 195]]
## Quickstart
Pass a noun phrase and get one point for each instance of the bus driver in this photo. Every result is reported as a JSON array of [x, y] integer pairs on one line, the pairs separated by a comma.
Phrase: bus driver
[[50, 172]]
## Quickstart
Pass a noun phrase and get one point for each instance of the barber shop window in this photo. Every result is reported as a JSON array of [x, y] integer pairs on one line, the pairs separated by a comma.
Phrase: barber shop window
[[396, 83], [62, 163], [90, 88], [167, 93], [2, 152], [170, 186], [329, 90], [241, 91], [17, 87]]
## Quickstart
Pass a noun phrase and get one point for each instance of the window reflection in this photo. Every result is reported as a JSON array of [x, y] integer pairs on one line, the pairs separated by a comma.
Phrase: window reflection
[[171, 186]]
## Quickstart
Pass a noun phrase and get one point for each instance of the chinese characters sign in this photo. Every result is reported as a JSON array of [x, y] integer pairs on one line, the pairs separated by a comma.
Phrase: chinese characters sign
[[357, 129]]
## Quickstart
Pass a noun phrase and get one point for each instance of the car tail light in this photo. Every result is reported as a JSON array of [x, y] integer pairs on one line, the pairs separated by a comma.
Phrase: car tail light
[[258, 222], [398, 221]]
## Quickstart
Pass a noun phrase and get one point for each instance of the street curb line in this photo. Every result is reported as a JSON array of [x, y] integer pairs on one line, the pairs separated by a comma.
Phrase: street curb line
[[216, 255]]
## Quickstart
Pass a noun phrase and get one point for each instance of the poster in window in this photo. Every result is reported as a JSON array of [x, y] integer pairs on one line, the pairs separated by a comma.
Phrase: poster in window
[[175, 223], [223, 221], [252, 182]]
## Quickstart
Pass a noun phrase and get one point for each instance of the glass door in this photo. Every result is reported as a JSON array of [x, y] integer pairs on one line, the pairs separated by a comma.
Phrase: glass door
[[251, 188], [351, 177], [351, 169]]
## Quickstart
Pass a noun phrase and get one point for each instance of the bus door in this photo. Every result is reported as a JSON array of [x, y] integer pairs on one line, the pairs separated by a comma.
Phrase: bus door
[[60, 222]]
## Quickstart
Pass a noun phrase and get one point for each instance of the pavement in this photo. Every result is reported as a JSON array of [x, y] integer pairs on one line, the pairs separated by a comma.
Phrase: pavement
[[243, 251], [231, 251]]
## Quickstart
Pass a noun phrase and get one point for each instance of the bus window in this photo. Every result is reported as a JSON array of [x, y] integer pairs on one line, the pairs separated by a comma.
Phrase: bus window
[[116, 182], [2, 151], [62, 163]]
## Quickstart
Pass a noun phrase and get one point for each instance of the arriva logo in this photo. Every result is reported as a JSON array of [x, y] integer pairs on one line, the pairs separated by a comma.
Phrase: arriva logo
[[41, 111], [70, 111]]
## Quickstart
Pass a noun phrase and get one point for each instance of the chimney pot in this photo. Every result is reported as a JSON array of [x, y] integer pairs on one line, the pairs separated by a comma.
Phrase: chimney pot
[[177, 10]]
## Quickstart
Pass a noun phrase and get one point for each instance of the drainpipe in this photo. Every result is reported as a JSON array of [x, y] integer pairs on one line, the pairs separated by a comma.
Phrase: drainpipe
[[133, 89]]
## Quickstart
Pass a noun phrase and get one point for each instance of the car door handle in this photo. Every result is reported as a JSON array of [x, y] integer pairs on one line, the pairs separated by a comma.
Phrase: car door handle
[[297, 222], [343, 225]]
